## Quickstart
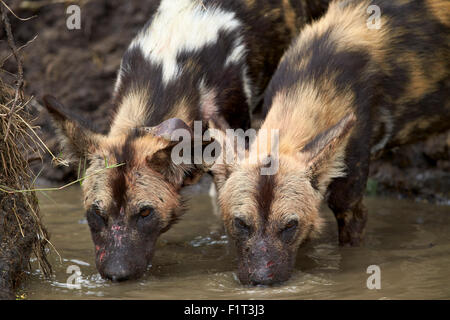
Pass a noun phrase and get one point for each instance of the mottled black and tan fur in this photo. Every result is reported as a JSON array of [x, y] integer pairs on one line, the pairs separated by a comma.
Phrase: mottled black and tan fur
[[194, 60], [342, 94]]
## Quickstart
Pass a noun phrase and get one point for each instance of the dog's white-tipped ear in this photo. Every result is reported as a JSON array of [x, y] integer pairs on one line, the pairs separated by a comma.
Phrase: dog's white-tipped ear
[[76, 139], [324, 155]]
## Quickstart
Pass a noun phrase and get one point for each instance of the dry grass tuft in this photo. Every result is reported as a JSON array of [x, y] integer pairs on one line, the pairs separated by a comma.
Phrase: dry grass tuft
[[16, 174]]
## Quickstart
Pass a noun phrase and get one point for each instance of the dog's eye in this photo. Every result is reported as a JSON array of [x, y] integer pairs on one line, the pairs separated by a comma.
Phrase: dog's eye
[[291, 225], [146, 211], [97, 211], [96, 218], [241, 225], [289, 230]]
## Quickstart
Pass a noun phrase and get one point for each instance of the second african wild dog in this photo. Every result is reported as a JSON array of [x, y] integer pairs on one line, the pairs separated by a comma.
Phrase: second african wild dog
[[341, 93], [193, 60]]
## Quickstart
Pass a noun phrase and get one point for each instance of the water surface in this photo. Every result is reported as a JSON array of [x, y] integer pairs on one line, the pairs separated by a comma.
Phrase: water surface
[[409, 241]]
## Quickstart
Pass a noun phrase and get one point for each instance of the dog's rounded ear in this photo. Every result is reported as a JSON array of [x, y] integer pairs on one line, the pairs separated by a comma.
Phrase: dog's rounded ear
[[323, 156], [173, 160], [168, 129], [76, 139]]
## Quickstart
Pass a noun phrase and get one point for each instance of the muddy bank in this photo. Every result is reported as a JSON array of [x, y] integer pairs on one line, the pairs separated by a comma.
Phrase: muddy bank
[[420, 171], [15, 249], [79, 67], [21, 230]]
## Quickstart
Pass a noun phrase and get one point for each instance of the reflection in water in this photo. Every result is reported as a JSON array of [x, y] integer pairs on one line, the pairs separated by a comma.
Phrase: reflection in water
[[409, 241]]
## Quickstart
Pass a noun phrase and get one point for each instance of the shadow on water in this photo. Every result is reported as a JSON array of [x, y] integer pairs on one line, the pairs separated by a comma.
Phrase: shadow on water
[[409, 241]]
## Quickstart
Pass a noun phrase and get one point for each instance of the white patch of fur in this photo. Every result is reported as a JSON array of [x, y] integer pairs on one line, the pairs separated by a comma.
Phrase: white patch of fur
[[182, 25], [238, 56], [249, 90], [118, 82], [238, 52], [118, 79]]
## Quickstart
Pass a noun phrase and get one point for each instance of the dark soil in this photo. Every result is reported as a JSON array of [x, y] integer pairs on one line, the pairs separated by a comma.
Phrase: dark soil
[[79, 67], [420, 171], [21, 230], [15, 249]]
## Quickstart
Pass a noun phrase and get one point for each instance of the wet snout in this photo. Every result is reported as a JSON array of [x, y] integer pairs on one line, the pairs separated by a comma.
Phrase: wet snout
[[117, 271], [122, 258], [264, 264]]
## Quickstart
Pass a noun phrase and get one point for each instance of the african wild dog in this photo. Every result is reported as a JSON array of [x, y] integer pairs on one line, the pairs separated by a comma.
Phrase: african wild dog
[[192, 61], [341, 93]]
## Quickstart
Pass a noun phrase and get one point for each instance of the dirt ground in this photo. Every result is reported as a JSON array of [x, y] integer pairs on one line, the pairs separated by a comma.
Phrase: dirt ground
[[79, 67]]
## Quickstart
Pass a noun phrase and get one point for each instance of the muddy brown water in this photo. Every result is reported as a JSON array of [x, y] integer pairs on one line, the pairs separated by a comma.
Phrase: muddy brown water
[[409, 241]]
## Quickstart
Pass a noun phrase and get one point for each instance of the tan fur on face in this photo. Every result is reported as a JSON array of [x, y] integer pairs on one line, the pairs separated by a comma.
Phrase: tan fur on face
[[236, 197], [293, 198], [152, 189], [143, 185], [155, 182], [95, 184]]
